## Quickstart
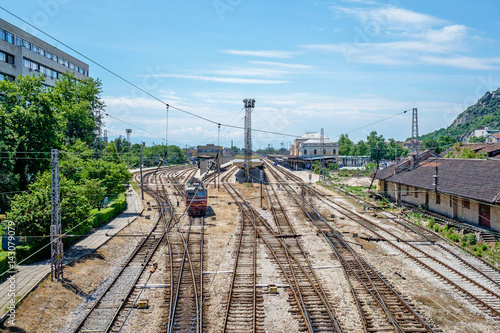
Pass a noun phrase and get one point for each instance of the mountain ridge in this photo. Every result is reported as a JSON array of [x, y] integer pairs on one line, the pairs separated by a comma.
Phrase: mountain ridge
[[485, 113]]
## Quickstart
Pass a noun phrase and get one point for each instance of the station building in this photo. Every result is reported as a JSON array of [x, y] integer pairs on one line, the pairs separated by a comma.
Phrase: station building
[[209, 151], [309, 148], [468, 190], [24, 54]]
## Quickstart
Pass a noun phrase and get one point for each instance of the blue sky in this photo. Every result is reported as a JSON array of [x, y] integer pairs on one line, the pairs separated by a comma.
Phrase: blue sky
[[337, 65]]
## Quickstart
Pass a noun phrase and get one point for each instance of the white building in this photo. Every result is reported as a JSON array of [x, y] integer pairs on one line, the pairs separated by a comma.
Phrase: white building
[[309, 145], [484, 132]]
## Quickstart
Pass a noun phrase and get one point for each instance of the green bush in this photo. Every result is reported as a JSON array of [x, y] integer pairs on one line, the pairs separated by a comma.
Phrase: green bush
[[431, 224], [100, 217], [484, 247], [4, 261], [454, 237], [470, 239], [24, 251]]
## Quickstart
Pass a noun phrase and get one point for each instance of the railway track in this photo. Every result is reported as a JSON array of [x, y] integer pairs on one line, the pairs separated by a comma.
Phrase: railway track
[[110, 311], [184, 298], [470, 282], [309, 301], [244, 309], [478, 286], [380, 307]]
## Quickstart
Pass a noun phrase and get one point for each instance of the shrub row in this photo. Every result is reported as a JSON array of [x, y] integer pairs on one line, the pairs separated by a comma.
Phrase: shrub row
[[96, 220]]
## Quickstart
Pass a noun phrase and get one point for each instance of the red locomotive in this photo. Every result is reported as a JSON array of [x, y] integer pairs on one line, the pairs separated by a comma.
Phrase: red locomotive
[[196, 197]]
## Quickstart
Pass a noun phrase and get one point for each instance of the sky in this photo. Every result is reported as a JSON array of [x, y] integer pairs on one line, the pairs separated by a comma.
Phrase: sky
[[347, 66]]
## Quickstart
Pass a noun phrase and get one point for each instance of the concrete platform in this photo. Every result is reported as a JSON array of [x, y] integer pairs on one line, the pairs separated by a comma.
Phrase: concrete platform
[[28, 277]]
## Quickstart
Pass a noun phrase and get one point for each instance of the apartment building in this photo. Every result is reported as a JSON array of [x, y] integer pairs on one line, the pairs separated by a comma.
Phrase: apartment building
[[24, 54]]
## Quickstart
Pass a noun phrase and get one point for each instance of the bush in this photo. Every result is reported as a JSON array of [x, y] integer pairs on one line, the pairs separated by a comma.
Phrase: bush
[[454, 237], [100, 217], [4, 261], [484, 247], [470, 239], [431, 224]]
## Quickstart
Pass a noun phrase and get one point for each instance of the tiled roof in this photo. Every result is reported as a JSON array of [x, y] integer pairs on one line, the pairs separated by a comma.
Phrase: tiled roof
[[470, 178]]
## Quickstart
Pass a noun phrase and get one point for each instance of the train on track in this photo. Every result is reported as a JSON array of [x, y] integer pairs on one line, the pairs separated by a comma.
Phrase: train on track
[[196, 195]]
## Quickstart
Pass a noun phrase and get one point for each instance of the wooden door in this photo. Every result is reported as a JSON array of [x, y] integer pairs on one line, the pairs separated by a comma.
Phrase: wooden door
[[484, 215]]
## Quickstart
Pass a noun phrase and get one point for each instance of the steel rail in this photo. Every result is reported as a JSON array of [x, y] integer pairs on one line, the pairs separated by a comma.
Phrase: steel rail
[[295, 287], [338, 237], [115, 279]]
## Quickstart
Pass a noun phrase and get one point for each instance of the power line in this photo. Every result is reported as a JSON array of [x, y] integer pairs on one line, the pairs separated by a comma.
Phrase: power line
[[134, 85]]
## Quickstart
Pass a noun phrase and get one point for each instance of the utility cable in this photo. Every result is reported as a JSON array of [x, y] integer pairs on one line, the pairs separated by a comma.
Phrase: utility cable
[[132, 84]]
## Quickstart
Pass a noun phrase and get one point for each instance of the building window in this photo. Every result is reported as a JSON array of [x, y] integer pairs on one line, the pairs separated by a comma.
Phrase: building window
[[41, 51], [315, 152], [438, 199], [305, 151], [416, 192], [334, 152], [9, 38], [5, 76], [466, 203], [26, 63], [19, 41]]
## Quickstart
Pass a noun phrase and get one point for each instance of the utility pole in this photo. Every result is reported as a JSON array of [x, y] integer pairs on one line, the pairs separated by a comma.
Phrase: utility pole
[[56, 257], [249, 106], [140, 166], [97, 133], [414, 139]]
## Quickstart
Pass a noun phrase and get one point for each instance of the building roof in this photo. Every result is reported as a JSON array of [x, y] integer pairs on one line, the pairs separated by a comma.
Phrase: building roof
[[327, 141], [313, 135], [475, 179]]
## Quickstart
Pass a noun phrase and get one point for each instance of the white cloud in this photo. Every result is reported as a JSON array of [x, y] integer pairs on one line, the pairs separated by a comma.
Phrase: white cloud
[[448, 34], [263, 72], [263, 54], [220, 79], [281, 64], [391, 19], [464, 62], [364, 2]]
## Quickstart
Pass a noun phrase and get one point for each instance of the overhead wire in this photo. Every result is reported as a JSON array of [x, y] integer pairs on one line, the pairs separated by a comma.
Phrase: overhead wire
[[131, 83]]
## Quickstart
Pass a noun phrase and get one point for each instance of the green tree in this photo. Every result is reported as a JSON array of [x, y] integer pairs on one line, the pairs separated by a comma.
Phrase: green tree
[[31, 211], [346, 146], [78, 100], [376, 145], [30, 124], [361, 149], [446, 141], [431, 144], [476, 139]]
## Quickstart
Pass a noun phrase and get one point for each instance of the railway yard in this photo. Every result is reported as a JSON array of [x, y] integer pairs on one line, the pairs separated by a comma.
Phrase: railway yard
[[289, 256]]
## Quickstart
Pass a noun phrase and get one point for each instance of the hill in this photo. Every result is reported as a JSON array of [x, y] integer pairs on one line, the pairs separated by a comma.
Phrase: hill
[[486, 112]]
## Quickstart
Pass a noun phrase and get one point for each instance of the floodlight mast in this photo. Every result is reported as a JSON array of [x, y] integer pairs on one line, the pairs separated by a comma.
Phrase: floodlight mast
[[249, 106]]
